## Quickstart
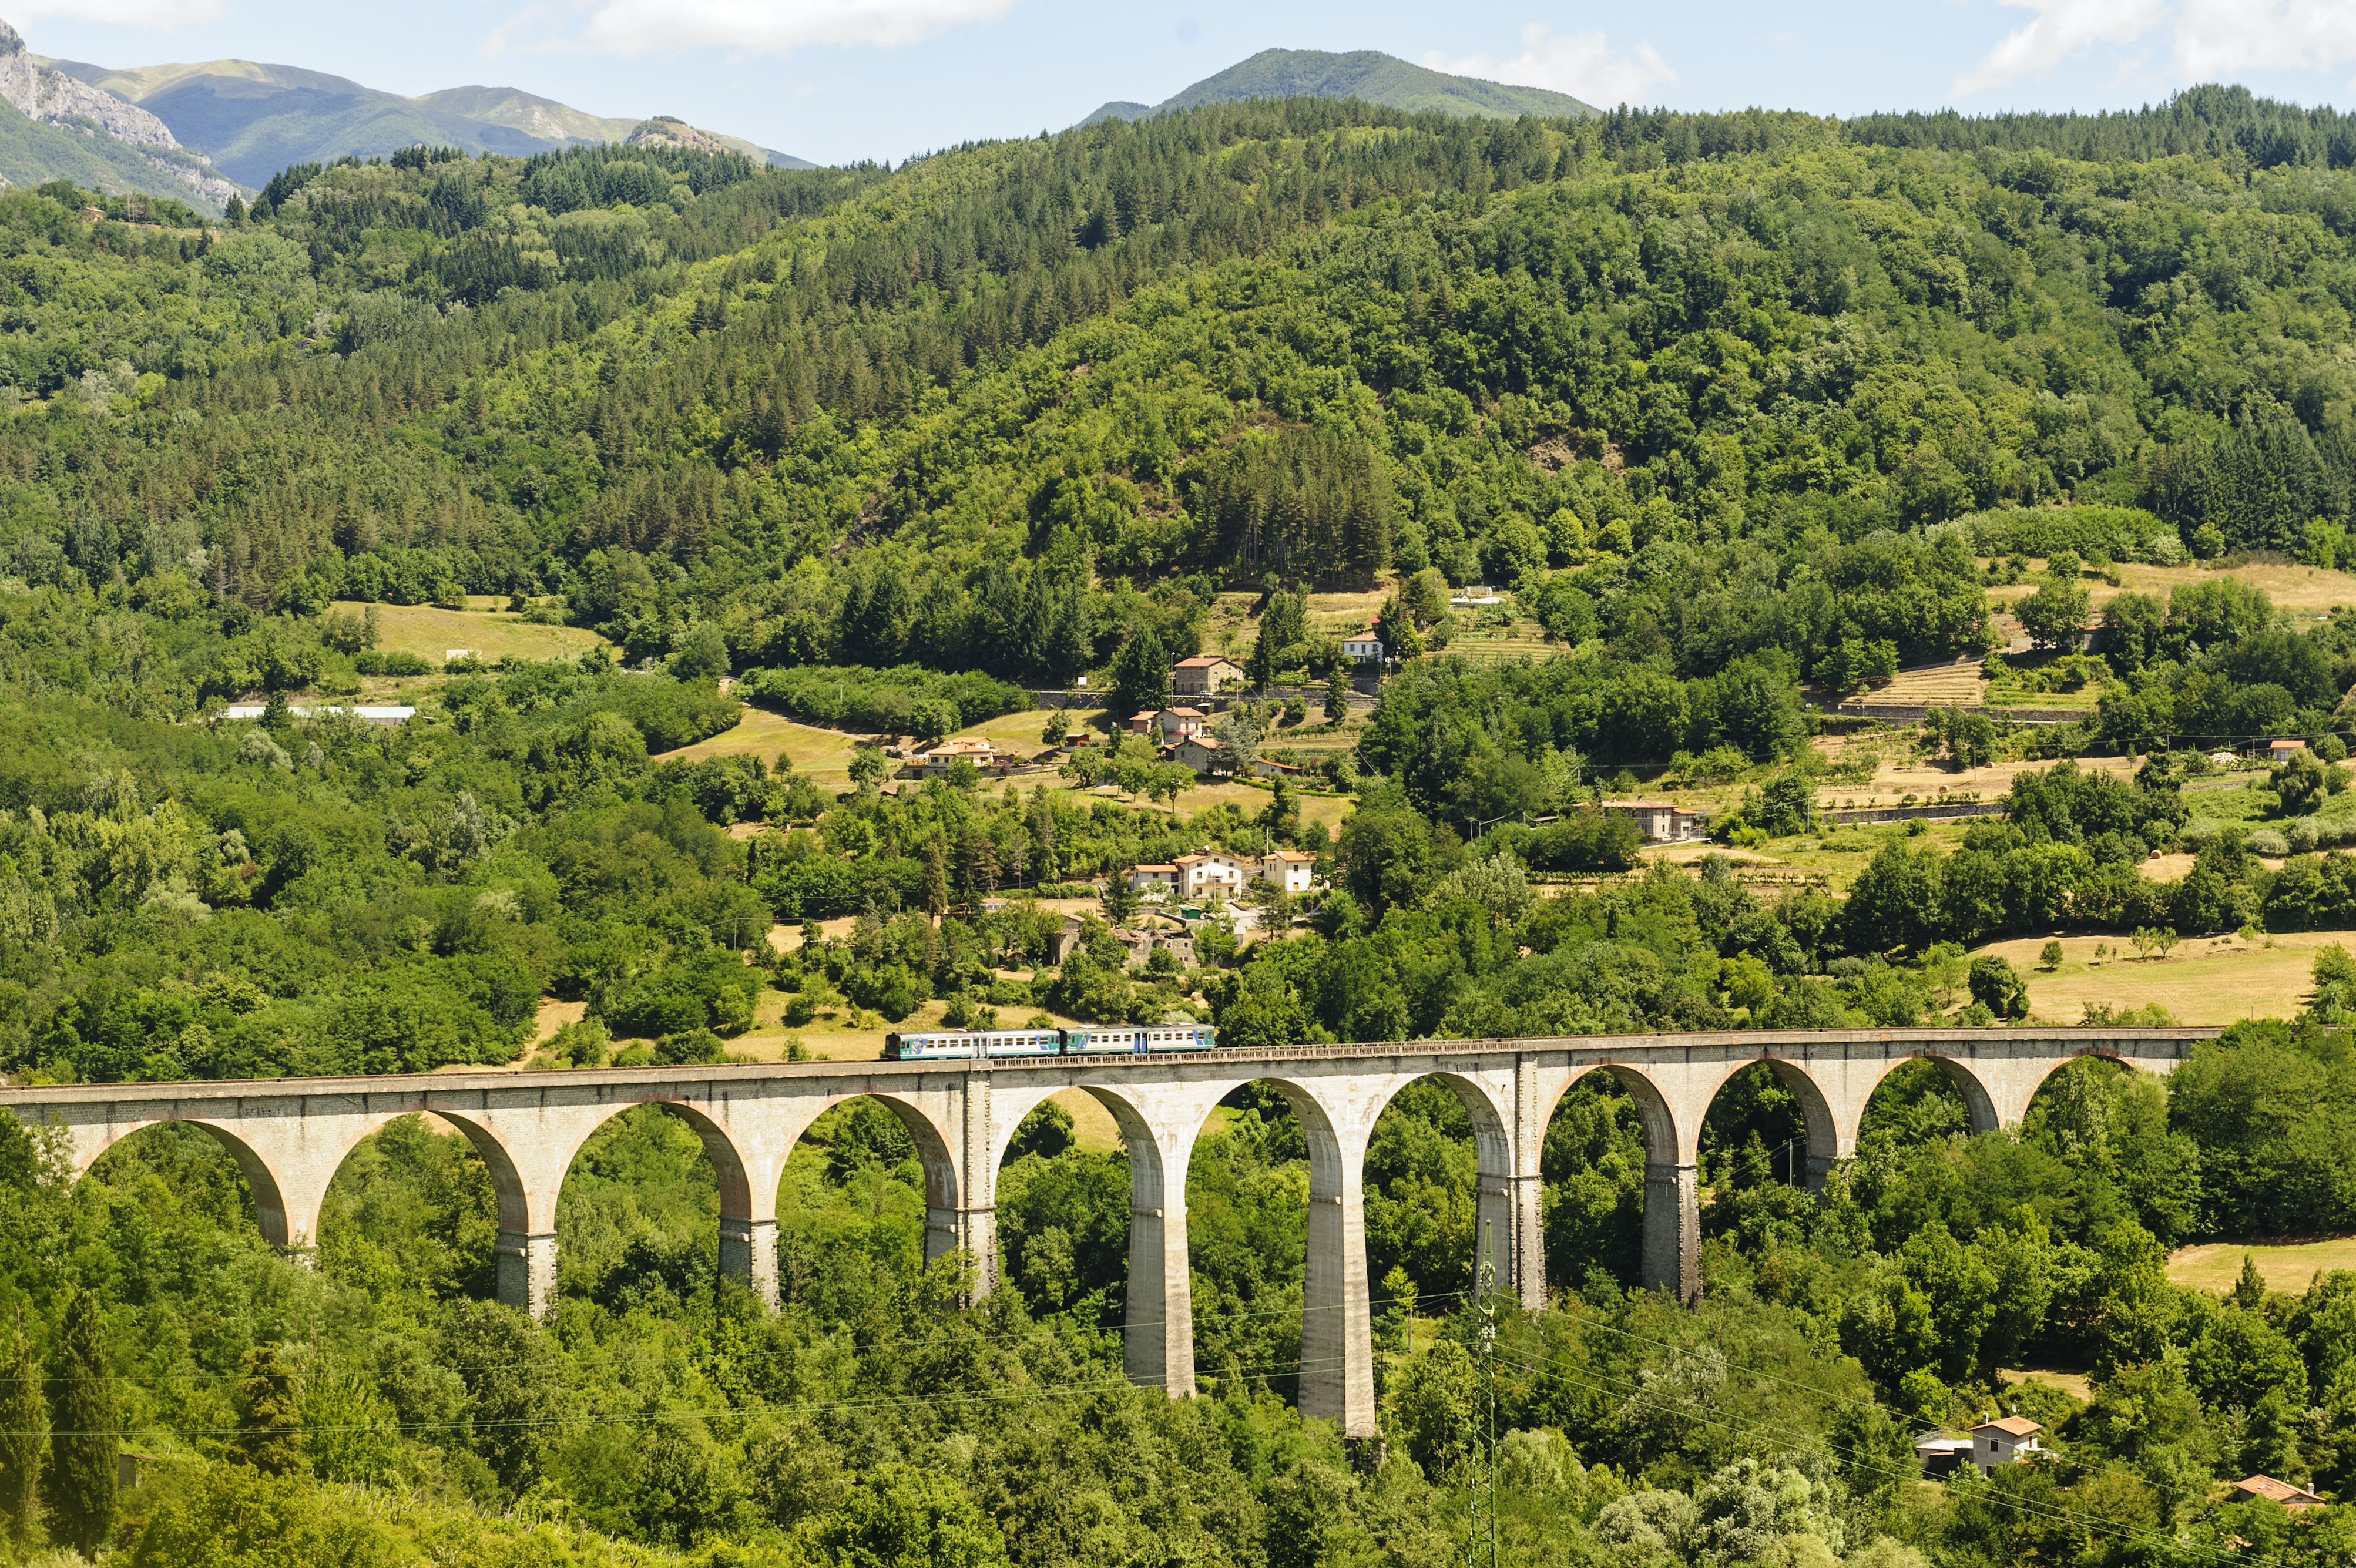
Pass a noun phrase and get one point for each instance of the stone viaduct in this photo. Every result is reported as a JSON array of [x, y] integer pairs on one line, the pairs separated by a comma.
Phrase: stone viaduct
[[290, 1136]]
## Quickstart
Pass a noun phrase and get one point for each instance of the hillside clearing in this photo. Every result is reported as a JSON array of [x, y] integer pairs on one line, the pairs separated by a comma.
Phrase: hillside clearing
[[2216, 1266], [430, 631], [2207, 980], [2291, 586]]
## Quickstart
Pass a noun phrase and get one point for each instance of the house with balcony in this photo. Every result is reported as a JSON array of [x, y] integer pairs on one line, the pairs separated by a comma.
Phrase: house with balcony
[[1177, 724]]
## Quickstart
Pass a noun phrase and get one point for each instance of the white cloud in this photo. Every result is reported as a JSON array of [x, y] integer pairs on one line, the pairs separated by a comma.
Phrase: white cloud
[[2206, 39], [2214, 39], [1584, 65], [124, 13], [774, 26]]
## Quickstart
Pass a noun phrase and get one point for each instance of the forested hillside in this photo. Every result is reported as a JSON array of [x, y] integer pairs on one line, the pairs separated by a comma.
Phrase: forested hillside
[[1725, 403], [1703, 361]]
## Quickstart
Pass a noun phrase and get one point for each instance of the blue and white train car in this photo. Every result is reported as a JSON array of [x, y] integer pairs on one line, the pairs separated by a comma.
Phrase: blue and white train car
[[1128, 1040], [1108, 1040], [1180, 1037], [972, 1043]]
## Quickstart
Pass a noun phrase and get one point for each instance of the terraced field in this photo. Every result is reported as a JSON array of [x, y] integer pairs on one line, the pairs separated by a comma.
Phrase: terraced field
[[1949, 684], [1523, 639]]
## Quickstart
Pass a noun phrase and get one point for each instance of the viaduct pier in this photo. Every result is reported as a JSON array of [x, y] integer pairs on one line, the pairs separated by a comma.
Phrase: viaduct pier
[[290, 1136]]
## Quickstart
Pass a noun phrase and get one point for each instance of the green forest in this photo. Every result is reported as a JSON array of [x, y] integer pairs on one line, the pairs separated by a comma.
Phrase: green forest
[[1735, 406]]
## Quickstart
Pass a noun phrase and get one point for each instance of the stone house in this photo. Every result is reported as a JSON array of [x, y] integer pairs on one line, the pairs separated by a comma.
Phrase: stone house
[[1204, 675]]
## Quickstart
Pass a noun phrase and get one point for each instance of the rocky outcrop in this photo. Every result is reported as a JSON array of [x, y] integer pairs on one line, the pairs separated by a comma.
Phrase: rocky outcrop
[[55, 99], [662, 131]]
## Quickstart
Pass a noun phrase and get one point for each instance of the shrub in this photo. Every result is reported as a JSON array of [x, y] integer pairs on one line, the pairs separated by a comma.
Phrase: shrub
[[2123, 533], [389, 661], [1997, 988], [902, 700]]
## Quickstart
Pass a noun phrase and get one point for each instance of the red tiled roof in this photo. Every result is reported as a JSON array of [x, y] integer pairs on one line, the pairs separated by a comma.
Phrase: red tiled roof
[[2011, 1426], [2266, 1487]]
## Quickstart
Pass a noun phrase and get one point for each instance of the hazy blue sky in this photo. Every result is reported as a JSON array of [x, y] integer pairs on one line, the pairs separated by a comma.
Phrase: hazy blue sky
[[836, 80]]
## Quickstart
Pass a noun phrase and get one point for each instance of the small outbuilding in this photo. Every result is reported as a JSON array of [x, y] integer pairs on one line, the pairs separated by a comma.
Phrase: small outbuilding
[[1941, 1453], [383, 716]]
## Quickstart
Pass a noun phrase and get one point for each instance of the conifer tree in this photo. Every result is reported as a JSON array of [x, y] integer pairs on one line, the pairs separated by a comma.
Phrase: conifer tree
[[83, 1438], [23, 1433], [2249, 1290], [1121, 900], [1141, 675], [269, 1435]]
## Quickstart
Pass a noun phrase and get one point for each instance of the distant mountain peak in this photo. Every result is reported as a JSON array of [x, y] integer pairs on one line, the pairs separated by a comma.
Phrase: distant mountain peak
[[1368, 75]]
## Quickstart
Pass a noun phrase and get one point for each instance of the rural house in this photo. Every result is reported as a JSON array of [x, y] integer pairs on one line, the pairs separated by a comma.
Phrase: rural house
[[1205, 674], [1660, 821], [1177, 723], [2010, 1441], [1202, 754], [2297, 1499], [974, 749]]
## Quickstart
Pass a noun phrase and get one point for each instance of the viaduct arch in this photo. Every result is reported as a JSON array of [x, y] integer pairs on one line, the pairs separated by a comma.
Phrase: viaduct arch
[[289, 1137]]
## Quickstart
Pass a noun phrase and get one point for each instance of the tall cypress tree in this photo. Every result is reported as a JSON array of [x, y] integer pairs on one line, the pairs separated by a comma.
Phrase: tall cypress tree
[[83, 1440], [23, 1433], [269, 1438]]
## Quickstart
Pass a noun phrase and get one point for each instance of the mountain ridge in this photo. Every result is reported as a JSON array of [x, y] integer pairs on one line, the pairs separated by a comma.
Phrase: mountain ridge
[[254, 118], [1368, 75]]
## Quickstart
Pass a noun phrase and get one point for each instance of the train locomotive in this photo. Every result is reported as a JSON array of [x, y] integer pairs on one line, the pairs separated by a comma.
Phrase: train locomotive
[[1121, 1039]]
